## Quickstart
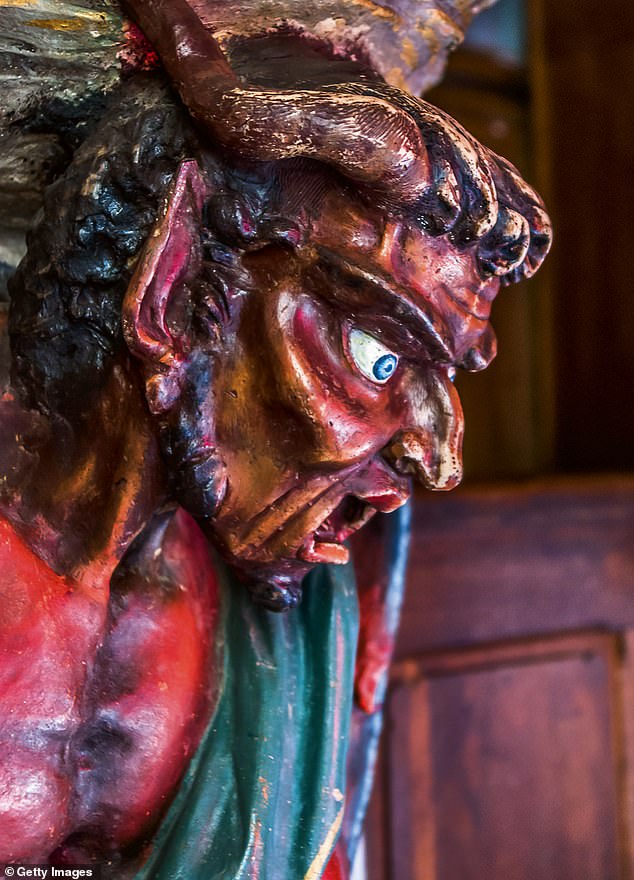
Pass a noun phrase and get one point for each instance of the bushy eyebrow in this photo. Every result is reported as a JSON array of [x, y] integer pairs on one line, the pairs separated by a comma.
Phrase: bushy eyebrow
[[416, 329]]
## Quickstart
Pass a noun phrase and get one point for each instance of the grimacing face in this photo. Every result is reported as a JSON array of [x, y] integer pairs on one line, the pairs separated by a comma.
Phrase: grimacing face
[[332, 387]]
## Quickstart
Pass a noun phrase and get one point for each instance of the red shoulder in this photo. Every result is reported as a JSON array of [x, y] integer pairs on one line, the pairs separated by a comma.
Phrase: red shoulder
[[24, 577], [156, 680], [36, 600]]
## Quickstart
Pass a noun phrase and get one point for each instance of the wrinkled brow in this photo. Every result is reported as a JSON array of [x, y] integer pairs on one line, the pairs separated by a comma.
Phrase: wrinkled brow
[[419, 328]]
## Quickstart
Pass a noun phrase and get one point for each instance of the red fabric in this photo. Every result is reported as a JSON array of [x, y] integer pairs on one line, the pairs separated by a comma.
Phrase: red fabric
[[337, 868], [376, 642]]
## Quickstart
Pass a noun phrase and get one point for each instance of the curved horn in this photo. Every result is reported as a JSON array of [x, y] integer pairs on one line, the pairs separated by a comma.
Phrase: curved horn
[[408, 151], [366, 137]]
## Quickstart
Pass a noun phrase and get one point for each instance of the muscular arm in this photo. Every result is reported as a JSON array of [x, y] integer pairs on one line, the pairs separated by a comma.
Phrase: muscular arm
[[103, 703]]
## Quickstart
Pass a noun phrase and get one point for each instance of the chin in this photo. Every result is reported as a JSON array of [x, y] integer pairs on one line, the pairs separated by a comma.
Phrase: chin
[[275, 582], [276, 593], [274, 586]]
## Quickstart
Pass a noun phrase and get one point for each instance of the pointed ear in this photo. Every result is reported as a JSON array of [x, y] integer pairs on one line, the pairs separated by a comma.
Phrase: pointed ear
[[170, 258]]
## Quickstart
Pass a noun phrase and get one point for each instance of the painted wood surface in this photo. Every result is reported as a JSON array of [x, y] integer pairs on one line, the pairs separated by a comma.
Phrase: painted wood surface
[[508, 561], [509, 750]]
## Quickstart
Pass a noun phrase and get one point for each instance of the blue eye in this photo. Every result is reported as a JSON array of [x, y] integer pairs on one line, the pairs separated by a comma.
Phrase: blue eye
[[384, 367], [371, 357]]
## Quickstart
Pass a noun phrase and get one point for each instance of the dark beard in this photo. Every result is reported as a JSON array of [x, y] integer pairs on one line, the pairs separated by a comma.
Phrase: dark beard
[[277, 594], [197, 472]]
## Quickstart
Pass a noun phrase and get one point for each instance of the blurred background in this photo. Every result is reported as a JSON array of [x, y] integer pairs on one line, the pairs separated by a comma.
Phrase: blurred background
[[509, 744]]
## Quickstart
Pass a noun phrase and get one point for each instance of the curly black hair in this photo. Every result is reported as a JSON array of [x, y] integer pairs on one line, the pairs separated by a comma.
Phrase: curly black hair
[[66, 294]]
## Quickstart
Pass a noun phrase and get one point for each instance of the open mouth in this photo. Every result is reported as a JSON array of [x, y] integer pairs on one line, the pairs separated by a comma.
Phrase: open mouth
[[346, 518], [325, 544]]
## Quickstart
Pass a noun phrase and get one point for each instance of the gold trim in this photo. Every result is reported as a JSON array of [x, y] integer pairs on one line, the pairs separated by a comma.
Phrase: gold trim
[[319, 862]]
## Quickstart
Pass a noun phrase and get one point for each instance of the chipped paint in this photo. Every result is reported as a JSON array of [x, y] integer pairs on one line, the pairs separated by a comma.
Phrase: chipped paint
[[396, 77], [439, 24], [19, 4], [380, 11], [265, 785], [409, 53], [58, 24]]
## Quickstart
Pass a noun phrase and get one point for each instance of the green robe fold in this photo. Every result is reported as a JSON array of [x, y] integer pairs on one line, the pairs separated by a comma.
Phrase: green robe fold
[[263, 796]]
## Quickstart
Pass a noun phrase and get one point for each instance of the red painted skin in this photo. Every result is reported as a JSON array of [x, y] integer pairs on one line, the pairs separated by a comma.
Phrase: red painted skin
[[87, 680], [40, 697], [335, 427], [297, 426], [157, 667]]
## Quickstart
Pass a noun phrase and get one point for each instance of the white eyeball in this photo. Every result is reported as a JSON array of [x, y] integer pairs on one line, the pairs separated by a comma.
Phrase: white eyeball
[[371, 357]]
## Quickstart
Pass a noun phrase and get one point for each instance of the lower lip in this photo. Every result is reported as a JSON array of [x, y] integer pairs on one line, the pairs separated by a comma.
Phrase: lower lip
[[324, 551]]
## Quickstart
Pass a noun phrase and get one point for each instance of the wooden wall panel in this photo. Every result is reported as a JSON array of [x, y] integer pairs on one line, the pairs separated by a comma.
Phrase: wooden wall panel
[[502, 764], [583, 62], [505, 562], [509, 739], [412, 837]]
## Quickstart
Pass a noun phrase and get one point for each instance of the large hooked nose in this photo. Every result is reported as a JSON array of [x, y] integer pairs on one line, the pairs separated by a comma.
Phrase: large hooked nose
[[429, 446]]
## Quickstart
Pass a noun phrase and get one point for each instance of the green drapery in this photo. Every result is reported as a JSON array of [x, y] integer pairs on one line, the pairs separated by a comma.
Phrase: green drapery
[[263, 796]]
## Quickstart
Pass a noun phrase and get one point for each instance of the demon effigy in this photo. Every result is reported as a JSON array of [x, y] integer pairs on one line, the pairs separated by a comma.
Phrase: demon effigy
[[233, 339]]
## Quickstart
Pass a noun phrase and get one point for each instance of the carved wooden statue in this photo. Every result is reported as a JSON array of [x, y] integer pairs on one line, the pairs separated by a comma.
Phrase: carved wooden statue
[[233, 339]]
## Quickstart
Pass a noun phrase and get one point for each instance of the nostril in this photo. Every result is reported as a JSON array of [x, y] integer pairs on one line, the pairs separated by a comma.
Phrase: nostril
[[408, 454], [437, 465], [392, 453]]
